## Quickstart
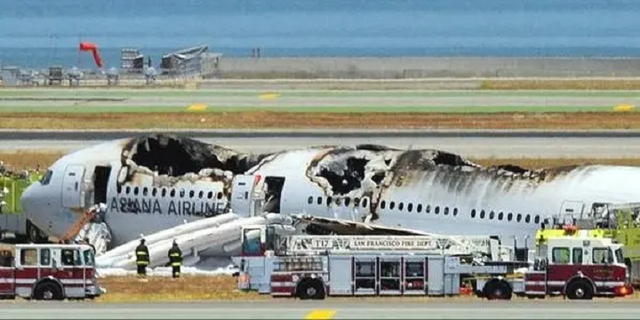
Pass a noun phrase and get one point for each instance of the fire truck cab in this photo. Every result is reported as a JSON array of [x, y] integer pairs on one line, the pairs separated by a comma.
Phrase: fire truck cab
[[579, 267], [48, 272]]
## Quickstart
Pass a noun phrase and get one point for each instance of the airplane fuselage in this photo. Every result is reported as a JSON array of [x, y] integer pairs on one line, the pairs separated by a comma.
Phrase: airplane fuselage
[[391, 188]]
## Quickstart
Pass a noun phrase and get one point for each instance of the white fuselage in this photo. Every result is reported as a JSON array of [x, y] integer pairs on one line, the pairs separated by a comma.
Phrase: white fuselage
[[441, 199]]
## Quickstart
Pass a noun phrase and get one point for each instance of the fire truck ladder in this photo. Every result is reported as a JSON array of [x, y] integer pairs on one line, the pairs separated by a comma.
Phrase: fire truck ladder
[[74, 230], [480, 248]]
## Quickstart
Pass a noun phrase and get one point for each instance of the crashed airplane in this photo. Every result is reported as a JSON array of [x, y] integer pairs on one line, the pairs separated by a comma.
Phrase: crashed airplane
[[156, 182]]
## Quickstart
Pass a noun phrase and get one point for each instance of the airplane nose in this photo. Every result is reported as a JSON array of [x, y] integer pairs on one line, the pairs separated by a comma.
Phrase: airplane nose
[[28, 199]]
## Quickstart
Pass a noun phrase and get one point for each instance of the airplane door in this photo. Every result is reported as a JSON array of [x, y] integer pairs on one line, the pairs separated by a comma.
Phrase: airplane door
[[72, 186], [241, 194], [569, 210]]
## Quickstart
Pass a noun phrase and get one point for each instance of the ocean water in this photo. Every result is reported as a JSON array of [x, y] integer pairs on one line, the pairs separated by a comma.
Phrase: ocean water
[[37, 33]]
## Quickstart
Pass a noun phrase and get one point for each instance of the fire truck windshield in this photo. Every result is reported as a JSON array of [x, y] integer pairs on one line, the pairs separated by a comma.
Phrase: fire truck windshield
[[619, 256]]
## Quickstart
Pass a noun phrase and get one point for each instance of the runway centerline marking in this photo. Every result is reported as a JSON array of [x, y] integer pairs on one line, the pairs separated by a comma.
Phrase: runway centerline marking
[[320, 314]]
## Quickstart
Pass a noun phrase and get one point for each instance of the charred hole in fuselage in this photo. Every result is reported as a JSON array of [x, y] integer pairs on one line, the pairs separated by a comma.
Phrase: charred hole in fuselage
[[176, 156], [346, 179], [512, 168]]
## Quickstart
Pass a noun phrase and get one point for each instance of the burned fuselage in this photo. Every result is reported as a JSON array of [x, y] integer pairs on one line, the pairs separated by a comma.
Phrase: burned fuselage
[[436, 191]]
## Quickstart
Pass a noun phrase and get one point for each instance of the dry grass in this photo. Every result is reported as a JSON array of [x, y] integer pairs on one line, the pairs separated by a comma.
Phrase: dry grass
[[127, 289], [20, 160], [536, 163], [31, 159], [568, 84], [265, 119], [190, 288]]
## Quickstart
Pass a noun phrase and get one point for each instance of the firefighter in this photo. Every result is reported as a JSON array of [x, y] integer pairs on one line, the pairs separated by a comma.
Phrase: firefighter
[[142, 259], [175, 257]]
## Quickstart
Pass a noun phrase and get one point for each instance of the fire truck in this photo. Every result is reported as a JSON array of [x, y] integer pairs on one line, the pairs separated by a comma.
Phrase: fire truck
[[314, 267], [48, 272]]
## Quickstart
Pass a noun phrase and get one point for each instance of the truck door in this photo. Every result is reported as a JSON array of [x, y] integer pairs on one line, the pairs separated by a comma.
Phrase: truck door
[[72, 187], [242, 193], [69, 269], [7, 273]]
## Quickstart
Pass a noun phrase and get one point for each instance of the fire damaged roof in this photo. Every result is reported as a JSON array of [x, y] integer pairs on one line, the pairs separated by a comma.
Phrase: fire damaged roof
[[175, 156], [369, 167]]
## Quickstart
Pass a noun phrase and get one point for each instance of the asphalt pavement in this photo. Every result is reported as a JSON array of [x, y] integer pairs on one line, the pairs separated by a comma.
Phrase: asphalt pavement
[[346, 309]]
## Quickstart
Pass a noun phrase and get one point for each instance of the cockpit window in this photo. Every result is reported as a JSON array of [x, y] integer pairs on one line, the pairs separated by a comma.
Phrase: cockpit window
[[46, 177]]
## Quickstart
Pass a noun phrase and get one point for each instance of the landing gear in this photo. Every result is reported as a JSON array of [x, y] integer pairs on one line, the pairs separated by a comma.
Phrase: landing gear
[[34, 234]]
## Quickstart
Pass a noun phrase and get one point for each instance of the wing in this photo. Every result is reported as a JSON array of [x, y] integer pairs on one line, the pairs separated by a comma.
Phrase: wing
[[320, 225]]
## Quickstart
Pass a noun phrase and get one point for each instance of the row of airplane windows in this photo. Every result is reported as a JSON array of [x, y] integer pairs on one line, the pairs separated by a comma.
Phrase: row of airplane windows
[[164, 191], [427, 209]]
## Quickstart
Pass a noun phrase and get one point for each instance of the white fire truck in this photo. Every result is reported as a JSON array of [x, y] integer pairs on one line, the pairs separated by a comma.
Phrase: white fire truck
[[48, 272], [313, 267]]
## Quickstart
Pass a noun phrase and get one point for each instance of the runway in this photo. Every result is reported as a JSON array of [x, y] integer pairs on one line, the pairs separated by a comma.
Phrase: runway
[[345, 309], [311, 98], [480, 144]]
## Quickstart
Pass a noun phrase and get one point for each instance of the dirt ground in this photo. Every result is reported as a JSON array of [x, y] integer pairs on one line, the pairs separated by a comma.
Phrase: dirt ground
[[129, 289], [215, 120], [122, 289]]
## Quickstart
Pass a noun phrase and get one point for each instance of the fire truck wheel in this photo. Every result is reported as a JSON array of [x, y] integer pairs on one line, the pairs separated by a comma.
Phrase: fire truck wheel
[[48, 291], [310, 289], [579, 290], [498, 290]]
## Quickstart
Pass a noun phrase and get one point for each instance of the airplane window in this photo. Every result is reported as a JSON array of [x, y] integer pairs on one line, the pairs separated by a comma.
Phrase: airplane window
[[145, 191], [437, 210], [383, 204], [410, 207], [329, 200], [455, 212], [527, 219], [182, 193], [500, 215], [473, 213], [172, 193], [482, 214], [356, 202], [400, 206], [510, 216], [192, 194], [128, 190], [164, 192], [310, 200], [219, 195], [338, 201], [347, 201], [428, 209], [119, 189], [537, 219], [392, 205], [365, 202], [446, 210], [519, 217], [46, 178], [319, 200], [200, 194], [209, 194], [154, 192], [492, 215], [419, 208], [135, 191]]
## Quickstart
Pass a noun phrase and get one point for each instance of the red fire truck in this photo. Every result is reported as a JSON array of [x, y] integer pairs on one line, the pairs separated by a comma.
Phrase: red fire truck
[[48, 272], [313, 267], [579, 267]]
